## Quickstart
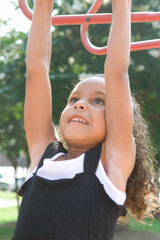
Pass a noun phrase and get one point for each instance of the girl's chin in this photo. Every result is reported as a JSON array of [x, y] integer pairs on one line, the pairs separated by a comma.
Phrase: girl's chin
[[82, 143]]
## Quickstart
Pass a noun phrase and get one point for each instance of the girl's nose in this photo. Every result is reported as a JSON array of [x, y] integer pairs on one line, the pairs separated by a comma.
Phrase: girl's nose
[[79, 105]]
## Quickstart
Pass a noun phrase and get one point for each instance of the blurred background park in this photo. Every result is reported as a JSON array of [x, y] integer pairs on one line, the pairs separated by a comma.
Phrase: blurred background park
[[70, 61]]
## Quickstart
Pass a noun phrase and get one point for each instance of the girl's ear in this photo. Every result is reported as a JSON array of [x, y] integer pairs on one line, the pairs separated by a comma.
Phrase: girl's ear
[[61, 139]]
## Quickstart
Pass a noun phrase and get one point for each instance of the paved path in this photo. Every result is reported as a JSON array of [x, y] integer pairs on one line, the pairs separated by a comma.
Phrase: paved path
[[4, 203]]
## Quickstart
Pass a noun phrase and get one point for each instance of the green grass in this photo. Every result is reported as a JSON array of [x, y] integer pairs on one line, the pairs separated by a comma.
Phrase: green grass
[[8, 215], [148, 225], [7, 195], [8, 218], [6, 232]]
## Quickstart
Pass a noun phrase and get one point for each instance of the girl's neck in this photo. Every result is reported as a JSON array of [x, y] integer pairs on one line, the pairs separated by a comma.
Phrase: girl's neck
[[74, 152]]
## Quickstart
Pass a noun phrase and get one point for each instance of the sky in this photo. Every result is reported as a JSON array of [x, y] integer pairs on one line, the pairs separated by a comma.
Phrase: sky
[[18, 20]]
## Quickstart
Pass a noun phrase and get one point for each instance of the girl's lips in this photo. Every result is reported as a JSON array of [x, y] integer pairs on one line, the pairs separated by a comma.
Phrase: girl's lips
[[78, 119]]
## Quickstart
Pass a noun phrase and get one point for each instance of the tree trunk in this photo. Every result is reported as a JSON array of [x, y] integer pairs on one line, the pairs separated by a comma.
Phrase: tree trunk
[[16, 188]]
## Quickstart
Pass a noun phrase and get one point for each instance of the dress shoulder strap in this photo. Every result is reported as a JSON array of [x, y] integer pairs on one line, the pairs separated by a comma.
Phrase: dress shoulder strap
[[91, 159], [52, 149]]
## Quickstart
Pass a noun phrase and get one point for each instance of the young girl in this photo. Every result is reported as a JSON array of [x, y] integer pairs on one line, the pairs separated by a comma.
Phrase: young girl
[[79, 193]]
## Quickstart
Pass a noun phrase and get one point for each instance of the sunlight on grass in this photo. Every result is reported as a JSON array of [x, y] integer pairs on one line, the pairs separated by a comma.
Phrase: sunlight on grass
[[150, 225], [8, 215], [8, 218]]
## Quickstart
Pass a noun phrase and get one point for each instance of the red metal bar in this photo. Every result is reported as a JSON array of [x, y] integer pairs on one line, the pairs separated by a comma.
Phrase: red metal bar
[[92, 18], [103, 50], [135, 46], [103, 18]]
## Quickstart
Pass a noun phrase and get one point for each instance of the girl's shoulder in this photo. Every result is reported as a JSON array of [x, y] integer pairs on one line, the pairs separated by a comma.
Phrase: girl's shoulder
[[53, 148]]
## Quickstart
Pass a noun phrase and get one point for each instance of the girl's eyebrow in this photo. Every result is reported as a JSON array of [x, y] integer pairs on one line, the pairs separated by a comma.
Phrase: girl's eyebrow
[[100, 92]]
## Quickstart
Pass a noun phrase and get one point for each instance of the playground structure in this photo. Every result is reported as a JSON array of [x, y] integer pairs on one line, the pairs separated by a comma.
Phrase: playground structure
[[93, 18]]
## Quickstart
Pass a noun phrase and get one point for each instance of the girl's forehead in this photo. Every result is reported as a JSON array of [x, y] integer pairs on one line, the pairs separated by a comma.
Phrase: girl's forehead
[[90, 83]]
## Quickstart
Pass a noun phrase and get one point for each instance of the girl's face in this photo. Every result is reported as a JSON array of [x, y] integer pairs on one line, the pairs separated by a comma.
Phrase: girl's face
[[82, 122]]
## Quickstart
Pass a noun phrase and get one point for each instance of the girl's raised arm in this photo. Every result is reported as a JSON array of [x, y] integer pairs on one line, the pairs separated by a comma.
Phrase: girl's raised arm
[[38, 101], [120, 146]]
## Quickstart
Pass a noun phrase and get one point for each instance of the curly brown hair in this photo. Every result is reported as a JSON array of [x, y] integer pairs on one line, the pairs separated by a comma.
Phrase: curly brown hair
[[141, 187]]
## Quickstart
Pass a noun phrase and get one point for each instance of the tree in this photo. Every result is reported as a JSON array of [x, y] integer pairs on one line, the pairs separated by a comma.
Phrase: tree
[[145, 71], [12, 68]]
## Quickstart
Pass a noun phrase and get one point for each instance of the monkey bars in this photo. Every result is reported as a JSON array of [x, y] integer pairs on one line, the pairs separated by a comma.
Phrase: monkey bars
[[91, 18]]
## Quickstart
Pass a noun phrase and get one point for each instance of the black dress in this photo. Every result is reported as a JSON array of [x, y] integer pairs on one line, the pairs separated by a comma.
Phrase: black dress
[[67, 209]]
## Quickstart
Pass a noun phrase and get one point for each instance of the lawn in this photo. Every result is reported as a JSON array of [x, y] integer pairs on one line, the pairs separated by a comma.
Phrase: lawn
[[149, 225], [8, 216], [6, 232]]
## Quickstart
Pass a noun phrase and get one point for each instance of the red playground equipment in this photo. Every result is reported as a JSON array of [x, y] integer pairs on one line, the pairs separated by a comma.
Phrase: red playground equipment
[[91, 18]]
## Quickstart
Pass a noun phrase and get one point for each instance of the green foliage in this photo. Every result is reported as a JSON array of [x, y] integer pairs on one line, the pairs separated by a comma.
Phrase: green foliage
[[12, 86], [145, 71], [145, 83]]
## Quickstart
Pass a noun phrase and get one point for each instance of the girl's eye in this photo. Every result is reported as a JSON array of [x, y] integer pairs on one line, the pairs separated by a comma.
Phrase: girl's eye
[[73, 100], [98, 101]]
